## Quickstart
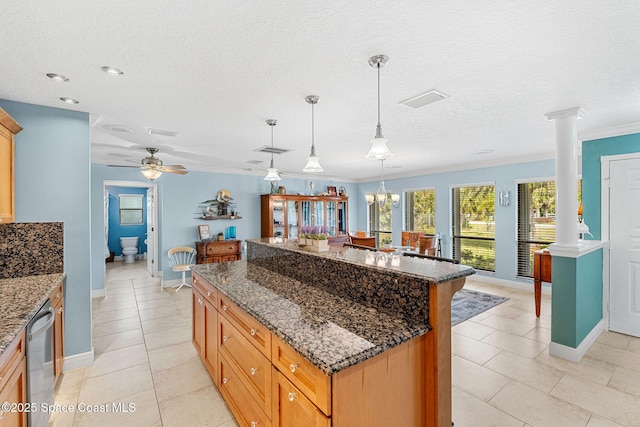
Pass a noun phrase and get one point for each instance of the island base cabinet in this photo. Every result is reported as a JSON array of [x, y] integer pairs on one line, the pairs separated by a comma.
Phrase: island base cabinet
[[57, 304], [291, 408], [204, 332]]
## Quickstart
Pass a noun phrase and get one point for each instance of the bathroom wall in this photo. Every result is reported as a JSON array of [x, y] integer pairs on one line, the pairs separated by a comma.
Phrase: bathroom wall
[[116, 230], [31, 249]]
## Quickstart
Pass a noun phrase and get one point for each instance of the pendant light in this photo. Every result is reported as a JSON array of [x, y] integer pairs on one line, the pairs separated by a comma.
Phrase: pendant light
[[379, 149], [380, 196], [313, 162], [272, 172]]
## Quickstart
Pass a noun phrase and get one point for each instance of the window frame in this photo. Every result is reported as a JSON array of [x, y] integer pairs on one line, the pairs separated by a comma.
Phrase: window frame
[[128, 211], [408, 214]]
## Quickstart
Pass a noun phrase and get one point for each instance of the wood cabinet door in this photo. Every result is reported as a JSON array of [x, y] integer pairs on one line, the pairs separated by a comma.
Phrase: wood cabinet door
[[210, 336], [291, 408], [6, 176], [58, 338], [15, 391]]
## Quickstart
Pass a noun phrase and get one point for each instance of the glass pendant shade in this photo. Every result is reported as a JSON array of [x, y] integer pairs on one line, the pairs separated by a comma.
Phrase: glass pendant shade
[[313, 164], [379, 150], [369, 198], [151, 173], [395, 199]]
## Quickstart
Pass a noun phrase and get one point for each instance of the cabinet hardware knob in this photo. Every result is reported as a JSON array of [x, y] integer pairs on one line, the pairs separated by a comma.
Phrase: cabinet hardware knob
[[293, 367], [58, 295], [59, 310], [225, 338], [292, 396], [253, 332], [225, 380], [208, 293], [254, 424], [224, 307], [200, 301], [253, 371]]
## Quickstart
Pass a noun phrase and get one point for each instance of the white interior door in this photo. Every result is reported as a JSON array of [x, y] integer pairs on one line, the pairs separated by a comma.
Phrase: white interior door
[[624, 276], [152, 219]]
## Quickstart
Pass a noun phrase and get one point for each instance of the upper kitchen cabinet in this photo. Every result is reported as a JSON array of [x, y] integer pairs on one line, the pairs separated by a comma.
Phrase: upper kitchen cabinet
[[8, 128], [283, 215]]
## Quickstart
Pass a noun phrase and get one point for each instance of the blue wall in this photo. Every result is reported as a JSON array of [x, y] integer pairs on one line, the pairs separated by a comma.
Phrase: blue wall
[[52, 184], [178, 208], [116, 230], [504, 177], [592, 177]]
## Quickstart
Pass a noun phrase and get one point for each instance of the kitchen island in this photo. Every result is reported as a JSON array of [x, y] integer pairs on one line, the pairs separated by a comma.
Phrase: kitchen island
[[354, 339]]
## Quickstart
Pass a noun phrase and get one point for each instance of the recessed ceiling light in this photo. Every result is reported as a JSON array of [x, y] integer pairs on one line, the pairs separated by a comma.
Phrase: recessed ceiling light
[[112, 71], [57, 77], [69, 100], [484, 151], [117, 128]]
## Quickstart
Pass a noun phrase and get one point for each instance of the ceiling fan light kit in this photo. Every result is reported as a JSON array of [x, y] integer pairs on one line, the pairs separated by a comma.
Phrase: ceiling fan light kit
[[313, 162], [272, 172], [152, 167], [379, 149]]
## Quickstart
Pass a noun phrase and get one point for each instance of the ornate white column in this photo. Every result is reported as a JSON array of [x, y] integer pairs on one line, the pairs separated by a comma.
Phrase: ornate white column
[[566, 175]]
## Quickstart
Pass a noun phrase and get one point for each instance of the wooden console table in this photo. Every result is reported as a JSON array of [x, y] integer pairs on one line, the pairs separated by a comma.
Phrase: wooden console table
[[217, 251], [541, 273]]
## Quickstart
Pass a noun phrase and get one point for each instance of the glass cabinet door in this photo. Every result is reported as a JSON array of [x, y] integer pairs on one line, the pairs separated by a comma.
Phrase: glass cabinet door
[[306, 213], [292, 218], [342, 217], [331, 218], [318, 214], [278, 218]]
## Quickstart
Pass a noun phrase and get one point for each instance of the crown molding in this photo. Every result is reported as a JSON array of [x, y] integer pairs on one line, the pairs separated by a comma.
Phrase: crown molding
[[609, 132]]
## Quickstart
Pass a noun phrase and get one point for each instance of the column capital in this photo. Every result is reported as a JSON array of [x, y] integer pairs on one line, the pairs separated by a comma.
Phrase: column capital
[[575, 111]]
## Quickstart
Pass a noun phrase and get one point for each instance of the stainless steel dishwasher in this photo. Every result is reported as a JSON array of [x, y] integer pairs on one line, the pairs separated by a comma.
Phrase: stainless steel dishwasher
[[40, 378]]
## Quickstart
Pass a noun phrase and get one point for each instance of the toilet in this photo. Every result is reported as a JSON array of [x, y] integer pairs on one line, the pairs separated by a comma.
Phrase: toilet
[[129, 248]]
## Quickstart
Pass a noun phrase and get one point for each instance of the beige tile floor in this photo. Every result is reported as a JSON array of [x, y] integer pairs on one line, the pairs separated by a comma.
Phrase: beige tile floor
[[502, 372]]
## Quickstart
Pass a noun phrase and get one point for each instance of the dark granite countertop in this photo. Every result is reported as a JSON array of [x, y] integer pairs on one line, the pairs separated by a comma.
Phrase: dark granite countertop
[[330, 331], [433, 271], [20, 299]]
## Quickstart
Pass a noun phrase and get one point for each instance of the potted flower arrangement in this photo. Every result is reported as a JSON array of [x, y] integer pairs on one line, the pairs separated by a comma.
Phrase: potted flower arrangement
[[303, 236], [319, 236], [386, 242]]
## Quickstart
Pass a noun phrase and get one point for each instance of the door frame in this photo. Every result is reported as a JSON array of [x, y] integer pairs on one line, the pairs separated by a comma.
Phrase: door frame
[[154, 187], [605, 176]]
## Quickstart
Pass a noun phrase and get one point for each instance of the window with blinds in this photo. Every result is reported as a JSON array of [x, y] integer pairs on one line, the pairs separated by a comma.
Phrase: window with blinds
[[420, 211], [536, 221], [380, 220], [131, 209], [473, 226]]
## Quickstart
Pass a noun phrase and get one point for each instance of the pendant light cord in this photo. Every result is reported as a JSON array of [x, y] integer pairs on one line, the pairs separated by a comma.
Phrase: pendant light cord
[[378, 66], [271, 145], [313, 142]]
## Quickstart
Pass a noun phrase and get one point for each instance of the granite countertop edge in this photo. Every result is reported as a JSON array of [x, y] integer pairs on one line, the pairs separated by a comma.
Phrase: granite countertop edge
[[20, 300]]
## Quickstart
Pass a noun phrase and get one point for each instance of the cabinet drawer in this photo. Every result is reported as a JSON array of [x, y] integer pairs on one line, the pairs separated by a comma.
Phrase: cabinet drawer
[[249, 363], [292, 408], [253, 330], [205, 289], [11, 357], [222, 248], [244, 407], [314, 383]]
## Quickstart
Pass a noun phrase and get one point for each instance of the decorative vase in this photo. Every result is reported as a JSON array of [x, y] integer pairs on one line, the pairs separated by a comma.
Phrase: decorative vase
[[320, 245]]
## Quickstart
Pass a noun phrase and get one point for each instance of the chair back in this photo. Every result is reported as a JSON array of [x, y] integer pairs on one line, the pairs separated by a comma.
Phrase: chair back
[[411, 238], [364, 241], [181, 255], [428, 245]]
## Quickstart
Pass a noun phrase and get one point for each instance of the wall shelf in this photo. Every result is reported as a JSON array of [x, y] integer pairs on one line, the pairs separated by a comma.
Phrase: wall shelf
[[212, 217]]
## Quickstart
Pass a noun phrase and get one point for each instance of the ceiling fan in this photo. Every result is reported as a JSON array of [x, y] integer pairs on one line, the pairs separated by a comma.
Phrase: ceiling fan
[[152, 166]]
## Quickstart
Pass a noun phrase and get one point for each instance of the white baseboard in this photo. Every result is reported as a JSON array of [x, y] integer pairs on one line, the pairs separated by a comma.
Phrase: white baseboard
[[576, 354], [523, 286], [98, 293], [173, 283], [77, 361]]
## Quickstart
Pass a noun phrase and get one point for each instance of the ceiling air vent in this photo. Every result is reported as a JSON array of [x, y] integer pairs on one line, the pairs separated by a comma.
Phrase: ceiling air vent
[[254, 162], [424, 98], [161, 132], [275, 150]]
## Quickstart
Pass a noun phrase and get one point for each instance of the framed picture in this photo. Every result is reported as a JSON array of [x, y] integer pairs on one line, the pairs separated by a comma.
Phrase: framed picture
[[203, 232], [332, 191]]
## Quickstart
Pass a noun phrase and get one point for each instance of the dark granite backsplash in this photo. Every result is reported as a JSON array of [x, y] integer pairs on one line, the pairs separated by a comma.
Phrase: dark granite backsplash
[[31, 249], [385, 290]]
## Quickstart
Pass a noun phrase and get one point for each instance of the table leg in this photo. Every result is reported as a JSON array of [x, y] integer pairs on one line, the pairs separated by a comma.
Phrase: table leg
[[537, 289]]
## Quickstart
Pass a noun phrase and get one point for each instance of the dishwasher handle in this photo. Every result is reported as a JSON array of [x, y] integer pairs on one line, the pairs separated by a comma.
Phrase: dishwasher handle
[[35, 334]]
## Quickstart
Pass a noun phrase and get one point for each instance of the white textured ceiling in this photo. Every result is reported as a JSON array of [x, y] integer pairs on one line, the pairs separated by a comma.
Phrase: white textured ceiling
[[214, 71]]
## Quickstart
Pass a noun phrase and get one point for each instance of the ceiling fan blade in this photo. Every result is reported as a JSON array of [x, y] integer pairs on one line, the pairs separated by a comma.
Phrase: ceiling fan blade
[[124, 166], [174, 167], [180, 172]]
